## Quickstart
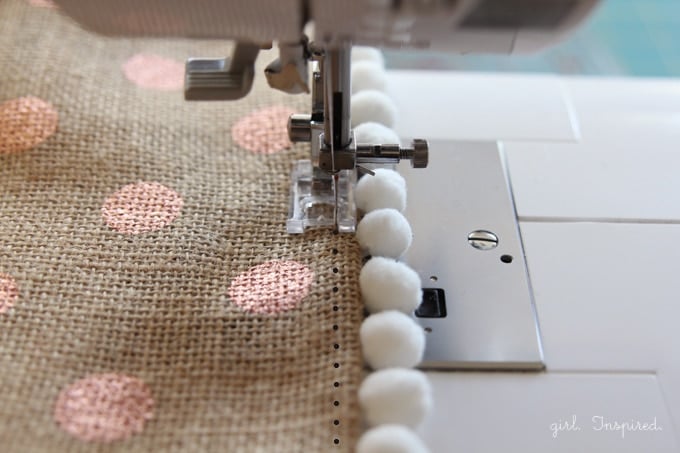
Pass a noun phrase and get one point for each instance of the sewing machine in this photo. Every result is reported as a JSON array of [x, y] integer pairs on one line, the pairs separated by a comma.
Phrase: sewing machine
[[547, 134], [322, 188]]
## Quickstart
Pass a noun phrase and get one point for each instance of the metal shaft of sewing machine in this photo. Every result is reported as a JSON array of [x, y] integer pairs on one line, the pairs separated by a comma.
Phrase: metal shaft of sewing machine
[[337, 90], [338, 150]]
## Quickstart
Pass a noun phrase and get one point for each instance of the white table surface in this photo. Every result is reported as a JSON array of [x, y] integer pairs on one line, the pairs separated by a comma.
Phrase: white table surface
[[594, 166]]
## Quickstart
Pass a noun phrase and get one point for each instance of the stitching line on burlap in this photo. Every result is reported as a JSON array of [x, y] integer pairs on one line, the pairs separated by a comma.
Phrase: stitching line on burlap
[[336, 347]]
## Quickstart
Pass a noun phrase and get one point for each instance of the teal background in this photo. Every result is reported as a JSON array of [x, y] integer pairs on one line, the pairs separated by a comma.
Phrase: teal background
[[622, 37]]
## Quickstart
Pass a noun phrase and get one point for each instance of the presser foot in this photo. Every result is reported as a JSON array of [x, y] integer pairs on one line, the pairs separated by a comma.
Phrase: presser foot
[[313, 200]]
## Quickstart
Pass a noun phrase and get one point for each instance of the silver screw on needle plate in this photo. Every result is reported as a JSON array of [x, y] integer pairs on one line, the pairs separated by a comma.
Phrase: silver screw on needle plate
[[483, 240]]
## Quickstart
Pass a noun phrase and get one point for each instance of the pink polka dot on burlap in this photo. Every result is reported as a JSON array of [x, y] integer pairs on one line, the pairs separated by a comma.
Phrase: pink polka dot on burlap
[[9, 292], [264, 131], [25, 123], [272, 287], [154, 72], [104, 407], [141, 207]]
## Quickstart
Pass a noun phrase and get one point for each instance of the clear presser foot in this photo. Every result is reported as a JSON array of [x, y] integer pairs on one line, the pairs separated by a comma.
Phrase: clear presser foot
[[314, 202], [313, 199]]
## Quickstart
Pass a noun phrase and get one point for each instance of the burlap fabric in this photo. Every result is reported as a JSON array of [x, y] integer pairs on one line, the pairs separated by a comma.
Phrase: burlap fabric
[[156, 305]]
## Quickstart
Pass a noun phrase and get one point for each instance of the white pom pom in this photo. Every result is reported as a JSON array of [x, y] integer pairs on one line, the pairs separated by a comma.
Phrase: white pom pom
[[368, 75], [375, 134], [385, 189], [362, 53], [384, 232], [372, 105], [390, 439], [387, 284], [392, 339], [396, 395]]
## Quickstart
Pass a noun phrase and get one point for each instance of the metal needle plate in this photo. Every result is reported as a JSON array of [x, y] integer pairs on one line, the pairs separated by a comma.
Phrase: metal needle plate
[[490, 320]]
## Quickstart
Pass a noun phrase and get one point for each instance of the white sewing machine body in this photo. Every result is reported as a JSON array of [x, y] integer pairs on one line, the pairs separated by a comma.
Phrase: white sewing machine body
[[593, 165], [496, 26]]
